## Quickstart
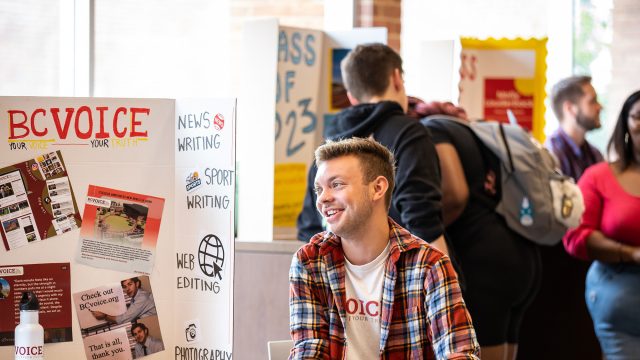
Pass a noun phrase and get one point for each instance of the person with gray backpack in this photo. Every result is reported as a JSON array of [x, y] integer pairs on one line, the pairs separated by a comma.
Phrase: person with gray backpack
[[501, 267]]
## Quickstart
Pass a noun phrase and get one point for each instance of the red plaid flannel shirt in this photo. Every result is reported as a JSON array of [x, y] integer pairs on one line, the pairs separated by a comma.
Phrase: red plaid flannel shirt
[[423, 314]]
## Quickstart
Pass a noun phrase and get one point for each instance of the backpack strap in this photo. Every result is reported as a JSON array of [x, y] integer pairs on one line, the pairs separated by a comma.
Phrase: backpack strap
[[506, 146], [488, 201]]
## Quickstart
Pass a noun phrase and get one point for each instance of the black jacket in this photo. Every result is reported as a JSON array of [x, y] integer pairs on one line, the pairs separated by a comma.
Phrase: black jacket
[[416, 200]]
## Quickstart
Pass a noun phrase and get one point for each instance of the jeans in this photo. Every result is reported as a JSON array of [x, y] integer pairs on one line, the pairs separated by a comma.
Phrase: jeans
[[613, 298]]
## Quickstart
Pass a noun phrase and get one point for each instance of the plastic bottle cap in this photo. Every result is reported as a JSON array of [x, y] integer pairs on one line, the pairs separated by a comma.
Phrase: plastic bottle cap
[[29, 301]]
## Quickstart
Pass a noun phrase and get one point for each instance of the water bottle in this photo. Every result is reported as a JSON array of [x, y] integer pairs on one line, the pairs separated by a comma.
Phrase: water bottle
[[29, 335]]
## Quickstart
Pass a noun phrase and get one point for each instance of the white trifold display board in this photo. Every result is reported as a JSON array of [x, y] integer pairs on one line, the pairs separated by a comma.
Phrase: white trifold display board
[[180, 150], [285, 100]]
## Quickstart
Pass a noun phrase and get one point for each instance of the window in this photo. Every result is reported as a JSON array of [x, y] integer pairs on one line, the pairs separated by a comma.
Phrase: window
[[151, 48], [593, 33], [34, 53]]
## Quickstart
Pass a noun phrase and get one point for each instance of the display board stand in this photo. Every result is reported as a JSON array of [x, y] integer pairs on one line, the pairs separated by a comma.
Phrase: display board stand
[[162, 180]]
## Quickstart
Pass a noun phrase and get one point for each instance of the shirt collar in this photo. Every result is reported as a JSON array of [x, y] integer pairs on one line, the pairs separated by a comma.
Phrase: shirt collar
[[569, 141]]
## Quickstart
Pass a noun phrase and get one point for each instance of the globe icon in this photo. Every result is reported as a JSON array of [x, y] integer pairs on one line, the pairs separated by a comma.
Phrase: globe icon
[[211, 256]]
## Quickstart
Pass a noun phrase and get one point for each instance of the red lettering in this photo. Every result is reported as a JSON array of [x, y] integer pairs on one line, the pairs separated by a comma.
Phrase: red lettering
[[371, 313], [62, 131], [33, 123], [122, 133], [355, 306], [102, 134], [13, 125], [87, 134], [21, 124], [361, 307], [134, 123]]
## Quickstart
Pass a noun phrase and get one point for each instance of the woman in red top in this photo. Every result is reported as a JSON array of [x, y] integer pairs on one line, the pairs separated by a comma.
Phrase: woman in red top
[[609, 233]]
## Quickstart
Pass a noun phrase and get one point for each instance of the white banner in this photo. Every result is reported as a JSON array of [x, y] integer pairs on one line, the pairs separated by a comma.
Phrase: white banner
[[204, 232]]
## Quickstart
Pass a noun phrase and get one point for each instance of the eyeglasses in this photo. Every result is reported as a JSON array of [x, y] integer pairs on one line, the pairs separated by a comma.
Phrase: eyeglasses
[[635, 116]]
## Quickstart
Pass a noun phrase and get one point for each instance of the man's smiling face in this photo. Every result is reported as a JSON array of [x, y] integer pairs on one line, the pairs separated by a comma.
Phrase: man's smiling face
[[344, 200]]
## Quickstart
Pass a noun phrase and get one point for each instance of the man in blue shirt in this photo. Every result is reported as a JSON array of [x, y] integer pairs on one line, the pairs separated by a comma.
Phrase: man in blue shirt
[[575, 104], [559, 310], [142, 304]]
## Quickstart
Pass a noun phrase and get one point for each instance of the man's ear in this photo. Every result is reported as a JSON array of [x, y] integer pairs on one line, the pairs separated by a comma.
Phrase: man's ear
[[379, 188], [396, 80], [352, 99]]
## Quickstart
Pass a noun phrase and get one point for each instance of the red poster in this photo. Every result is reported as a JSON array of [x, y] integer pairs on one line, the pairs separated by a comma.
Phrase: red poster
[[52, 285], [120, 230], [502, 96]]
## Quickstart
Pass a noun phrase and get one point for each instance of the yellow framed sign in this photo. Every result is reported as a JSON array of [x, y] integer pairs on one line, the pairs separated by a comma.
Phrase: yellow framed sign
[[505, 78]]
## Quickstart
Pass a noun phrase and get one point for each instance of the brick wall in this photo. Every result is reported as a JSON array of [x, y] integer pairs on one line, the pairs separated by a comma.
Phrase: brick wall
[[299, 13], [381, 13]]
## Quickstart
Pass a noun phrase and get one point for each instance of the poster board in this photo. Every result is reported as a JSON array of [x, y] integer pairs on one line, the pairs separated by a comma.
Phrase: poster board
[[294, 72], [298, 90], [182, 151], [502, 78]]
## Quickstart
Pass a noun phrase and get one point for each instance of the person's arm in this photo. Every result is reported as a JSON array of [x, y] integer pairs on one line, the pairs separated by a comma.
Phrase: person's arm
[[455, 191], [307, 321], [450, 326], [417, 194], [600, 247], [575, 240], [142, 307], [99, 315], [309, 221]]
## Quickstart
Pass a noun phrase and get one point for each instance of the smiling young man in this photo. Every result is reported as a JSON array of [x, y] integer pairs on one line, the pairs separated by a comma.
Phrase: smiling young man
[[373, 77], [367, 288]]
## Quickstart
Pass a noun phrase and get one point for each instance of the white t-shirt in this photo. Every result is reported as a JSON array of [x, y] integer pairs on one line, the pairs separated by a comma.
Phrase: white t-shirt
[[363, 285]]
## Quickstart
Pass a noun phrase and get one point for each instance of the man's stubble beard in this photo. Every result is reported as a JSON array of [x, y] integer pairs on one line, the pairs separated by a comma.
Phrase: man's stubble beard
[[359, 220], [586, 122]]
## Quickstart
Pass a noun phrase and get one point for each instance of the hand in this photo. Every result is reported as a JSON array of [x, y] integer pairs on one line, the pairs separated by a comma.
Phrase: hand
[[635, 254], [98, 315]]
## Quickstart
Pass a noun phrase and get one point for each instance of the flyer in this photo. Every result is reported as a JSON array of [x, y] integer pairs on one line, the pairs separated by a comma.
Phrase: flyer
[[120, 230], [119, 320], [52, 285], [504, 80], [36, 201]]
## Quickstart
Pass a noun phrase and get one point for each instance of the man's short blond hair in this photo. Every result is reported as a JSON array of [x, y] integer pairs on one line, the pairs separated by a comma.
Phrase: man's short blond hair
[[375, 159]]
